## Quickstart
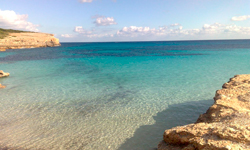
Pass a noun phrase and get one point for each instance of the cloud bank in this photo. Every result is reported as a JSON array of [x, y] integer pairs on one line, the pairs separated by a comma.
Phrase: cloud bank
[[177, 30], [134, 31], [89, 33], [240, 18], [10, 20], [170, 32]]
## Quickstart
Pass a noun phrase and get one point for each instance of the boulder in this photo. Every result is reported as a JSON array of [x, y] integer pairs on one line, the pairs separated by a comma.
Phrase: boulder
[[3, 74]]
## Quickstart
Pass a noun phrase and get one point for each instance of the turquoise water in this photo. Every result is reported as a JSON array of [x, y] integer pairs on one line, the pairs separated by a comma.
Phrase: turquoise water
[[111, 95]]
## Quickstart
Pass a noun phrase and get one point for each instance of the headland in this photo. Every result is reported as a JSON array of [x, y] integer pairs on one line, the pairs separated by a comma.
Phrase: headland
[[16, 39]]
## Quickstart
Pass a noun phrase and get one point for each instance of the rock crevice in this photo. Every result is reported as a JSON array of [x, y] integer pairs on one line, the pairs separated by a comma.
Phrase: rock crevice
[[225, 125]]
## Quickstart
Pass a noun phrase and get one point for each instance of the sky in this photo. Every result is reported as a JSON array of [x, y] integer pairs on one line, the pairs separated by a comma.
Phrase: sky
[[129, 20]]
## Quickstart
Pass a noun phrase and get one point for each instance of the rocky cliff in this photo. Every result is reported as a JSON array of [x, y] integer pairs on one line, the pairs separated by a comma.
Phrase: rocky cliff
[[225, 125], [28, 40]]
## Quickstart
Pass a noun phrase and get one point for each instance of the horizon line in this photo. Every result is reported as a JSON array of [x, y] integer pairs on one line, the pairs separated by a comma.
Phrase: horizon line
[[160, 41]]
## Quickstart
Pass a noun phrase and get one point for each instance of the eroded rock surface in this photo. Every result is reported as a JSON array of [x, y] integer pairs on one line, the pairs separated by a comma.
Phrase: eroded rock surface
[[225, 125], [3, 74], [2, 86], [28, 40]]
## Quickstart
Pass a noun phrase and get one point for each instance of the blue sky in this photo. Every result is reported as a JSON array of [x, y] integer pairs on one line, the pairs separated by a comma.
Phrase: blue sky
[[127, 20]]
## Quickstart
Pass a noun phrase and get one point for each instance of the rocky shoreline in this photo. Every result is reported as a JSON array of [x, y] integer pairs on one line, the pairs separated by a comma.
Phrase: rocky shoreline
[[28, 40], [225, 125]]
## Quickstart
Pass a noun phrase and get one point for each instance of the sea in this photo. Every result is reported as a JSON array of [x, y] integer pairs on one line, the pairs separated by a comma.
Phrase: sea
[[111, 95]]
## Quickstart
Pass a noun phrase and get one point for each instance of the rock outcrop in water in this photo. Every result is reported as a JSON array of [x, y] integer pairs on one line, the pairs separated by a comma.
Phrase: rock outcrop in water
[[3, 74], [225, 125], [28, 40], [2, 86]]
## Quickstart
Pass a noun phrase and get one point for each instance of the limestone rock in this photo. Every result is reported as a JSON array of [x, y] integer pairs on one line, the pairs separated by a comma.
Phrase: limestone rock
[[225, 125], [3, 74], [28, 40], [2, 86]]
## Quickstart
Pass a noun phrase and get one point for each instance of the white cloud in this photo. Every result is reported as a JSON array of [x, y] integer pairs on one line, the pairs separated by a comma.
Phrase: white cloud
[[240, 18], [134, 31], [79, 29], [212, 29], [85, 1], [67, 35], [9, 19], [90, 33], [237, 29], [104, 21]]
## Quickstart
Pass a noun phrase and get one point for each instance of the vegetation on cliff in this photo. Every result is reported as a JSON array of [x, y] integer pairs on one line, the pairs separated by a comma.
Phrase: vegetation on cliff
[[6, 32]]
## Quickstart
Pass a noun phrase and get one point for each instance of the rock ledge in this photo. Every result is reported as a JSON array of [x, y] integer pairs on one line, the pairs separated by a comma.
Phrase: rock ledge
[[225, 125]]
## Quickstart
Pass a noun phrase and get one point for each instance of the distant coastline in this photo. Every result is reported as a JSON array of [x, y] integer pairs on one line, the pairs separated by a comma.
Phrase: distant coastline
[[16, 39]]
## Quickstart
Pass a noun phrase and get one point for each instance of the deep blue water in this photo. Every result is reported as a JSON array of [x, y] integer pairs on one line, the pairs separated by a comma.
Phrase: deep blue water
[[119, 95]]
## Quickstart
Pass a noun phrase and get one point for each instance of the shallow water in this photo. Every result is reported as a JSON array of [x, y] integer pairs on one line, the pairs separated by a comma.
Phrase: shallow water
[[111, 95]]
